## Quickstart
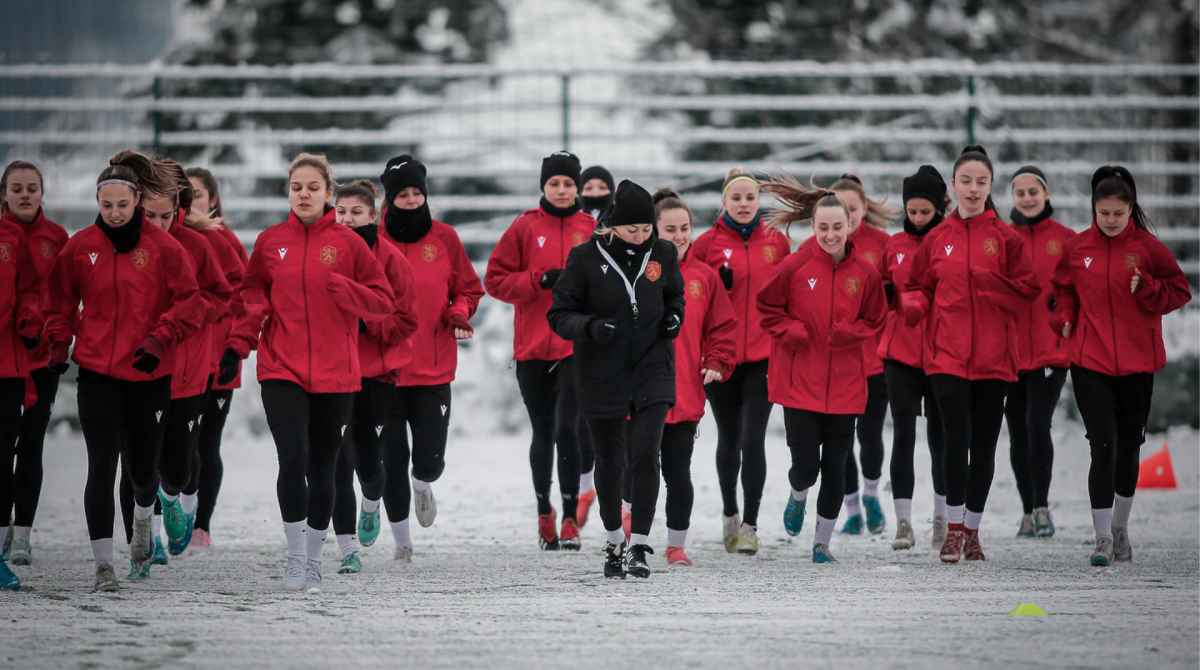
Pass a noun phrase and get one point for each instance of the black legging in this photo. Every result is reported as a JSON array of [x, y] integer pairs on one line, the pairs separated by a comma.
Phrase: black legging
[[819, 443], [645, 439], [122, 421], [212, 469], [1114, 412], [307, 428], [741, 410], [180, 452], [549, 395], [907, 387], [678, 440], [362, 452], [587, 457], [426, 411], [27, 474], [12, 402], [869, 429], [1030, 412], [972, 414]]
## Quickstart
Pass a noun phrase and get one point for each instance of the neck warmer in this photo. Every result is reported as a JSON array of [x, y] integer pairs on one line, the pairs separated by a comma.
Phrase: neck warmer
[[596, 205], [125, 238], [560, 212], [369, 233], [922, 232], [408, 225], [1022, 220], [742, 229]]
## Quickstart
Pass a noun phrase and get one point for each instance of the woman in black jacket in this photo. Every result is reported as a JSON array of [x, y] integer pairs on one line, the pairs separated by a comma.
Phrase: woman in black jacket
[[620, 300]]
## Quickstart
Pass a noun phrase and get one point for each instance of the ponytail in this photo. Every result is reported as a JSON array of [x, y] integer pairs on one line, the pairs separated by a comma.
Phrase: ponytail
[[667, 198], [878, 215], [799, 202], [153, 179]]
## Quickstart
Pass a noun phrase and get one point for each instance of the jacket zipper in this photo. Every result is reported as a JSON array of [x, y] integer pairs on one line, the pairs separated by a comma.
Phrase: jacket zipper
[[1112, 314], [970, 302], [1033, 259], [304, 287], [116, 314], [746, 319], [829, 370]]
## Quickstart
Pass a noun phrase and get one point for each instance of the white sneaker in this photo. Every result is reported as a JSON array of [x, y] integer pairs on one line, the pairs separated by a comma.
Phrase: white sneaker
[[312, 577], [404, 554], [1122, 552], [904, 536], [941, 526], [142, 547], [426, 506], [293, 576], [732, 526], [20, 553]]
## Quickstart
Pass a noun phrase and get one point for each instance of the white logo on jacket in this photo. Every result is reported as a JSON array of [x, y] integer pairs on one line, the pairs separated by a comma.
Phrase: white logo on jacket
[[899, 259], [1087, 262], [282, 252], [812, 283], [949, 248], [728, 253], [93, 256], [541, 242]]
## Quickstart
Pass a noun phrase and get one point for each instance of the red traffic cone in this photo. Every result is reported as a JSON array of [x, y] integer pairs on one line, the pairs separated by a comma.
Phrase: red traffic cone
[[1156, 471]]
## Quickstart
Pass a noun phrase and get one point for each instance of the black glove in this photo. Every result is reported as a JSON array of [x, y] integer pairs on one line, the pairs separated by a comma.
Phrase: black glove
[[726, 276], [362, 325], [549, 278], [30, 342], [146, 362], [889, 291], [602, 330], [1051, 302], [670, 326], [229, 366]]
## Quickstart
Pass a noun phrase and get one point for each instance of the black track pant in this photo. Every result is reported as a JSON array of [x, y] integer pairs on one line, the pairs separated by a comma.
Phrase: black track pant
[[678, 440], [1030, 412], [1114, 412], [587, 457], [972, 413], [820, 443], [425, 410], [12, 404], [741, 410], [212, 469], [308, 430], [362, 452], [645, 438], [870, 434], [124, 422], [27, 475], [548, 391], [907, 387]]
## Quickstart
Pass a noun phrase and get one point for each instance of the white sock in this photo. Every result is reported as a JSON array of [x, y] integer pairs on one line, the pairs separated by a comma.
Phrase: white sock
[[871, 487], [188, 501], [142, 513], [939, 506], [853, 506], [419, 485], [21, 531], [824, 530], [348, 544], [1122, 506], [167, 497], [155, 526], [637, 538], [955, 513], [295, 537], [1102, 519], [369, 505], [400, 534], [799, 496], [102, 551], [615, 537], [903, 510], [585, 481], [4, 534], [315, 539], [676, 538], [971, 520], [627, 506]]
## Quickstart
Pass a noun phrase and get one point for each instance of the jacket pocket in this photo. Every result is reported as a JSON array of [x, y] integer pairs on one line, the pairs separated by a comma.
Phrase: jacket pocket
[[349, 354]]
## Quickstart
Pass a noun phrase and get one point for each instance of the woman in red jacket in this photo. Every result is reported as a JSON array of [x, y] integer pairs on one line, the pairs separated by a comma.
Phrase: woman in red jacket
[[308, 284], [970, 277], [448, 292], [206, 479], [521, 271], [1112, 287], [704, 354], [21, 191], [900, 347], [744, 254], [140, 301], [383, 350], [819, 308], [1041, 355]]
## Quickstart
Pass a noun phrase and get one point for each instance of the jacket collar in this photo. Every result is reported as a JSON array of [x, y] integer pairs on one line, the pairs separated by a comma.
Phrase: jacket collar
[[1124, 235], [7, 215], [326, 220], [825, 259]]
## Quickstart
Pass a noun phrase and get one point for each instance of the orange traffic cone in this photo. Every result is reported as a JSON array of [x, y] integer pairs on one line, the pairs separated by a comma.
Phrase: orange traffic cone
[[1156, 471]]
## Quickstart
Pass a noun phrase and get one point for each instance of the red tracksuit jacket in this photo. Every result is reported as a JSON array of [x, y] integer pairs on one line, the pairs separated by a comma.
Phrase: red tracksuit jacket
[[706, 339], [818, 315], [752, 261], [150, 291], [1038, 346], [1115, 332], [384, 349], [20, 298], [445, 284], [536, 242], [900, 342], [194, 356], [970, 278], [44, 239], [306, 288], [224, 328]]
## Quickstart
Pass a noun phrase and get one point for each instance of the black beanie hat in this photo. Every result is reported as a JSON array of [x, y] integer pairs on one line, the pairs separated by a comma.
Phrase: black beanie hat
[[632, 204], [400, 173], [1032, 170], [926, 183], [560, 163], [597, 172]]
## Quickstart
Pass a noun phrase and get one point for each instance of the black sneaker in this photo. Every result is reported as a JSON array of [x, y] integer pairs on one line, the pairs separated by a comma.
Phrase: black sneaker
[[635, 561], [614, 561]]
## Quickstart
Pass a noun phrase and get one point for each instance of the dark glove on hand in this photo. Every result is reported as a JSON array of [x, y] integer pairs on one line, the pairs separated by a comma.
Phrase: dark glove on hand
[[602, 330], [228, 366], [889, 291], [726, 275], [149, 355], [550, 278], [670, 326], [1051, 302], [362, 325], [30, 342], [58, 358]]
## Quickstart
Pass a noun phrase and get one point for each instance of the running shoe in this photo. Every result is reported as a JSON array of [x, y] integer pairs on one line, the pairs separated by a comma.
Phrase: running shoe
[[425, 506], [201, 540], [731, 525], [952, 548], [174, 521], [905, 539], [368, 527], [940, 526], [106, 579], [547, 533], [569, 539], [614, 561], [747, 542], [972, 550], [1103, 555], [876, 521], [20, 553], [141, 549], [138, 573], [8, 579], [1122, 552], [159, 557], [635, 561], [177, 547], [821, 554], [1025, 530], [350, 564], [404, 554], [793, 516], [1043, 525], [854, 525], [676, 556], [626, 523], [293, 575], [312, 576], [586, 498]]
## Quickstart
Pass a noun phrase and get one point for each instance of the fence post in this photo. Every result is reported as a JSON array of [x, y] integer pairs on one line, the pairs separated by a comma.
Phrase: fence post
[[971, 110], [157, 117], [566, 111]]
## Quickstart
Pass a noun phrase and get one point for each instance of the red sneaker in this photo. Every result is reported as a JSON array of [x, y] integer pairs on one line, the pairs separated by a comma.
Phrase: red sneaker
[[675, 556], [973, 552], [568, 537], [626, 523], [585, 505], [952, 548], [547, 533], [201, 541]]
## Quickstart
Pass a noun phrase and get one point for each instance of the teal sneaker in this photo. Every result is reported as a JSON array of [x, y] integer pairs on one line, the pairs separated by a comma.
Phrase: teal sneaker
[[854, 525], [174, 521], [1043, 525], [793, 516], [177, 547], [368, 527], [8, 579], [137, 573], [1026, 528], [350, 565], [876, 522], [160, 556], [821, 554]]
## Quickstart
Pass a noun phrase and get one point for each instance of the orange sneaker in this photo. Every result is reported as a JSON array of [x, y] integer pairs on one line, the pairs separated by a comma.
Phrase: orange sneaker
[[973, 550], [585, 505], [675, 556], [568, 537], [201, 541], [547, 533]]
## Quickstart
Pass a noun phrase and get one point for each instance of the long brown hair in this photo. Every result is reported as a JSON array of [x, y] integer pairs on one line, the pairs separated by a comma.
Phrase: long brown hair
[[878, 215], [153, 179], [799, 201], [210, 184]]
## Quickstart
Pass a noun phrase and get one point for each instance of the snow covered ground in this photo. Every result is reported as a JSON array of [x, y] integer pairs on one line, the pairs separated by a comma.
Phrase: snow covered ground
[[479, 593]]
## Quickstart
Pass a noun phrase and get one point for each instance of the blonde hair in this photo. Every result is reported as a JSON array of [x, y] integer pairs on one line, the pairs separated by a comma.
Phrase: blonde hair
[[317, 162], [878, 215], [800, 202]]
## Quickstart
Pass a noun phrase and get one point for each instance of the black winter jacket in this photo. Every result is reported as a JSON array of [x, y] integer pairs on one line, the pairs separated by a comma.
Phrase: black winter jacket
[[636, 368]]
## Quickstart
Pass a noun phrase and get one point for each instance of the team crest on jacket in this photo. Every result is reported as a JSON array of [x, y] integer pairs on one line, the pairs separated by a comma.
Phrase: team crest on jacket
[[329, 255], [429, 253], [1132, 262], [653, 270], [47, 250], [139, 258], [1054, 247], [853, 285], [770, 253], [991, 247], [6, 252], [578, 239], [696, 288], [871, 257]]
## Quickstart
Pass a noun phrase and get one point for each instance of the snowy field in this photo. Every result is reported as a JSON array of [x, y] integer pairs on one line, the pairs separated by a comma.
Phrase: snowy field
[[479, 593]]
